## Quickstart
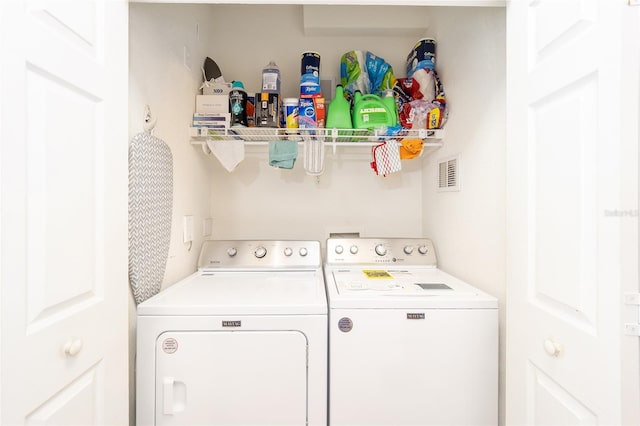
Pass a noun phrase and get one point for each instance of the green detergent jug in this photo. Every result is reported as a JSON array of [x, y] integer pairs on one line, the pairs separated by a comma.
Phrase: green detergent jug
[[371, 112], [339, 112]]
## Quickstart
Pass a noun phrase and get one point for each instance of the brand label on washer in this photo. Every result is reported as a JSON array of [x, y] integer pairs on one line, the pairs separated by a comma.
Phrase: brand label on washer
[[232, 323], [345, 324], [413, 316], [169, 345]]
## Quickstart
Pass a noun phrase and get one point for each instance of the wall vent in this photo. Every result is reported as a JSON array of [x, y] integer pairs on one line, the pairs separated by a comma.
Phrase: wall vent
[[448, 174]]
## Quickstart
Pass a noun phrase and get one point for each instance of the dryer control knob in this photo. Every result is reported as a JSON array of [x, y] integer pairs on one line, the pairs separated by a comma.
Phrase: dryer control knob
[[260, 252], [353, 249], [232, 251], [408, 249], [423, 249], [339, 249], [288, 252], [303, 251], [381, 250]]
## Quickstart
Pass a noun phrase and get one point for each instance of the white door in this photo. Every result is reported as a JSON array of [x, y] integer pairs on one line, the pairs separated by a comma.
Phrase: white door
[[571, 211], [64, 212], [230, 378]]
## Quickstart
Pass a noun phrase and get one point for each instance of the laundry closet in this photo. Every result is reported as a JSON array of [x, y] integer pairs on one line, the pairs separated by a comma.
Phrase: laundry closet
[[260, 201], [543, 109]]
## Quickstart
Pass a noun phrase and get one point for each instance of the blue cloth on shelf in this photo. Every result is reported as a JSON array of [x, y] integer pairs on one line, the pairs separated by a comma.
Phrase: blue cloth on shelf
[[283, 154]]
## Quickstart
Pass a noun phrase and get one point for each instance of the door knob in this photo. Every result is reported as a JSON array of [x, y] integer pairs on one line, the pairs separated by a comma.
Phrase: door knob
[[552, 348], [72, 347]]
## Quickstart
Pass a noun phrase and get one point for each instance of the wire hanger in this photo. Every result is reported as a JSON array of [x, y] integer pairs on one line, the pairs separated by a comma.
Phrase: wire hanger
[[149, 120]]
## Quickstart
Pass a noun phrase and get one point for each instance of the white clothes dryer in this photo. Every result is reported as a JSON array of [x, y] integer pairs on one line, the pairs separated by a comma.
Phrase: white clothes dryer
[[243, 341], [408, 343]]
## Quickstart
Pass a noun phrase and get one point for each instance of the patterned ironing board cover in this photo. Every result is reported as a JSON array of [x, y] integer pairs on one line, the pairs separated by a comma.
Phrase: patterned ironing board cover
[[150, 211]]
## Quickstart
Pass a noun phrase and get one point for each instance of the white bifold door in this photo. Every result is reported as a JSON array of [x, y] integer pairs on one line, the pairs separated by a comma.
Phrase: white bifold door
[[572, 212], [63, 212], [231, 378]]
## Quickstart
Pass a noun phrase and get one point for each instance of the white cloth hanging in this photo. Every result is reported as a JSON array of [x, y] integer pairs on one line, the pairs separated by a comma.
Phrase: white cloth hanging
[[229, 153]]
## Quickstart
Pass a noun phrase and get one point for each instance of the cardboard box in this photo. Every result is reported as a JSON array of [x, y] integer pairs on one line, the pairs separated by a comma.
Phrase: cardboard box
[[211, 88], [212, 104]]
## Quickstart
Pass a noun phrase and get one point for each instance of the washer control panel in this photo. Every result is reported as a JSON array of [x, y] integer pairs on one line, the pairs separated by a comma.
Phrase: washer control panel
[[386, 251], [260, 254]]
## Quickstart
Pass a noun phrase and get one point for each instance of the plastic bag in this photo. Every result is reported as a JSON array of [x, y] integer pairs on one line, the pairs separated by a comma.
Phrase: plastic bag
[[366, 72], [421, 101]]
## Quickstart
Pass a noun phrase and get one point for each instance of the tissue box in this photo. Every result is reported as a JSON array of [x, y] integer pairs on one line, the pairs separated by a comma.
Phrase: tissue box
[[212, 88], [212, 104]]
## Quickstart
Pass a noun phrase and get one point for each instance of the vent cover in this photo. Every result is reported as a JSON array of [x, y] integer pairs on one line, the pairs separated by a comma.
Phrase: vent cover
[[448, 178]]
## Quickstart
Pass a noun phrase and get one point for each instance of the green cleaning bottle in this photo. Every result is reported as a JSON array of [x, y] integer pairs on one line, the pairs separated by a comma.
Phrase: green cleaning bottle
[[339, 113]]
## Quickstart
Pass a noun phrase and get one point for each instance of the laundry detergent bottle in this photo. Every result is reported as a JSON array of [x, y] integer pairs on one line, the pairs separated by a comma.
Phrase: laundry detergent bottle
[[339, 113], [238, 105], [370, 112]]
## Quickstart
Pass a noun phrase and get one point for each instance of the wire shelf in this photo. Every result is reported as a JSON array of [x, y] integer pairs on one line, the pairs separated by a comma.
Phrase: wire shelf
[[331, 137]]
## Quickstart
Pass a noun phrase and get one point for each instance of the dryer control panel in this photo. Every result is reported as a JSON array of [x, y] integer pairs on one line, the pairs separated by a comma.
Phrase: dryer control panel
[[260, 254], [385, 251]]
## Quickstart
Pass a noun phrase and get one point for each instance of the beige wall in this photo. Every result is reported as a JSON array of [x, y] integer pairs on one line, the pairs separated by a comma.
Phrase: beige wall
[[158, 78], [468, 227]]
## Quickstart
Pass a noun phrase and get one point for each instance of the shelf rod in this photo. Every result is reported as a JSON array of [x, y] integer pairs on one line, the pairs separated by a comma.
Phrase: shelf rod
[[333, 144]]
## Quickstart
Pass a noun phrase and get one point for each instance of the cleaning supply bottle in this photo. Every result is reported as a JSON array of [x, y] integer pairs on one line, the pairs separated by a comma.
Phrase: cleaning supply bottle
[[357, 95], [238, 105], [370, 112], [339, 113], [389, 100], [271, 78]]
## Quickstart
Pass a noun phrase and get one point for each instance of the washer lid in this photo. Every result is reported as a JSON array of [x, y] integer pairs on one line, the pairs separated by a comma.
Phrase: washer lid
[[374, 287], [242, 293]]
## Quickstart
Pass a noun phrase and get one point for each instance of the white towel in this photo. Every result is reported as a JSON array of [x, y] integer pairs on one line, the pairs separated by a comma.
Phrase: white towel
[[229, 153]]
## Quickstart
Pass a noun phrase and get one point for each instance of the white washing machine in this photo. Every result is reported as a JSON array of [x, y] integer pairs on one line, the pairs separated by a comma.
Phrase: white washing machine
[[243, 341], [408, 343]]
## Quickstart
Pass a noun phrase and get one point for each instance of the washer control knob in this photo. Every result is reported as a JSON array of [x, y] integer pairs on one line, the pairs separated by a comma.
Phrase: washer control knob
[[339, 249], [232, 251], [408, 249], [353, 249], [423, 249], [288, 252], [260, 252], [381, 250], [304, 251]]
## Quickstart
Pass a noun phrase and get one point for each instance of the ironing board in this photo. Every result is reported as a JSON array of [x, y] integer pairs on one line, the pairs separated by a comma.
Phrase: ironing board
[[150, 211]]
